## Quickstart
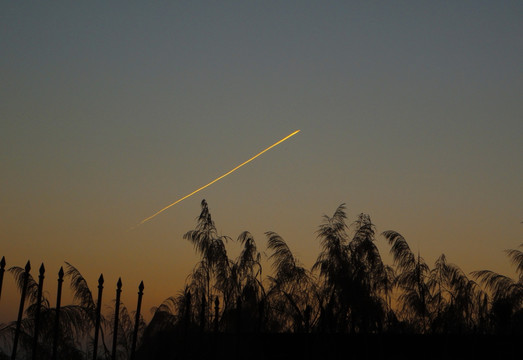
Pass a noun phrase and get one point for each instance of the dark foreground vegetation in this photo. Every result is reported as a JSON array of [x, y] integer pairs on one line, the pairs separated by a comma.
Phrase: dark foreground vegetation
[[287, 346], [349, 304]]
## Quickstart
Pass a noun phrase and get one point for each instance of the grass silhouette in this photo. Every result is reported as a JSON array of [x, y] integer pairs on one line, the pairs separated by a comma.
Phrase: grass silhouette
[[348, 303]]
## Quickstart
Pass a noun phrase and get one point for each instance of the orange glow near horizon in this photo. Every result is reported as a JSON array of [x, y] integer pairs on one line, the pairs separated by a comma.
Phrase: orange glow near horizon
[[218, 178]]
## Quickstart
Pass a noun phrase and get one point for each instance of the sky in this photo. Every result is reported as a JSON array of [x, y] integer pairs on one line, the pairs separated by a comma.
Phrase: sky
[[409, 111]]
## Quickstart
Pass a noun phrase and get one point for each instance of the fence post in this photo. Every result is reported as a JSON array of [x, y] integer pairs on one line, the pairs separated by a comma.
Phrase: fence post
[[57, 318], [2, 270], [97, 321], [38, 308], [21, 309], [137, 320], [116, 315]]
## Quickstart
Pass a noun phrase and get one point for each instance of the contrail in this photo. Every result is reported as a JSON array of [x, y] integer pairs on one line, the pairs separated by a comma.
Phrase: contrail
[[218, 178]]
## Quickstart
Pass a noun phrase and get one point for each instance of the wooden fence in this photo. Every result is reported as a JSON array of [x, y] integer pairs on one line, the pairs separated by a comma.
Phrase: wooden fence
[[41, 276]]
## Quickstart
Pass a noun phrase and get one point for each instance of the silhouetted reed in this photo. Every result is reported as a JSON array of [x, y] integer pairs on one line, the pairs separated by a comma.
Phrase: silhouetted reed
[[348, 292]]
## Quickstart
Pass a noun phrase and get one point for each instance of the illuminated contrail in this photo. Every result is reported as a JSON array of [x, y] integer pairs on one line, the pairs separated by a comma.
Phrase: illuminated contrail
[[218, 178]]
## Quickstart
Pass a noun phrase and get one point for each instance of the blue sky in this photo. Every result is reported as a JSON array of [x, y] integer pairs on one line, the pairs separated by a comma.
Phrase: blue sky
[[409, 111]]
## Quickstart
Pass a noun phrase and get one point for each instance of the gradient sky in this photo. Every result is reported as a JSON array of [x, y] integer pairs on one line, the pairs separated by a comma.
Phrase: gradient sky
[[109, 111]]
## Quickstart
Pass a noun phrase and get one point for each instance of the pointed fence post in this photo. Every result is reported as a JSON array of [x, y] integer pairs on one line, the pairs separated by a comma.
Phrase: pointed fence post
[[137, 320], [97, 321], [2, 270], [38, 308], [21, 309], [116, 315], [57, 317]]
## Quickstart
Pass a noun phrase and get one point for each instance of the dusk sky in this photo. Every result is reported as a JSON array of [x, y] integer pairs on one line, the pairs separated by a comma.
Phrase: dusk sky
[[409, 111]]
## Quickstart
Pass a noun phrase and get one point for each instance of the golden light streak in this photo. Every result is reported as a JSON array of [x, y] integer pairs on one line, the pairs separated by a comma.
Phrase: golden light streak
[[218, 178]]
